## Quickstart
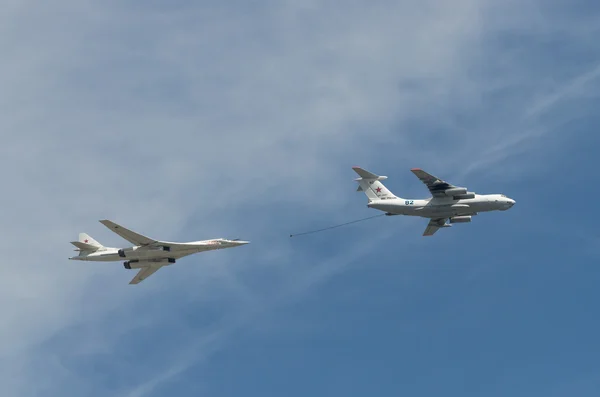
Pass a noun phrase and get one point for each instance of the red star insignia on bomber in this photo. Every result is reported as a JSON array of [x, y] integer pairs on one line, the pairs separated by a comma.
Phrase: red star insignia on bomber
[[378, 190], [85, 241]]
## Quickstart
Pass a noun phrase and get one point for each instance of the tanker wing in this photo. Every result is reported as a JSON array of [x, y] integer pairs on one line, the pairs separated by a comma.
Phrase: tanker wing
[[440, 188]]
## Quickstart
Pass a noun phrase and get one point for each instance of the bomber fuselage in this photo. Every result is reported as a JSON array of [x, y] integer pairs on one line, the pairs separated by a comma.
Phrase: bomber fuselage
[[165, 251]]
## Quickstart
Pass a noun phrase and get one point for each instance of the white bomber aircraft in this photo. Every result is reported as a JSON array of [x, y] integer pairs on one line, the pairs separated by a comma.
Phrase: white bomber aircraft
[[448, 202], [147, 254]]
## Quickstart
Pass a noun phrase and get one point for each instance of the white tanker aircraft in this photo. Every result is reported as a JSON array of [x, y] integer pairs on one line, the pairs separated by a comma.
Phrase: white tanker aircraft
[[147, 254], [449, 204]]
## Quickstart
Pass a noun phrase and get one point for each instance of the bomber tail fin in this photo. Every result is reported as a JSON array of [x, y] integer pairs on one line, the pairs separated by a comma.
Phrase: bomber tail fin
[[371, 185], [86, 243]]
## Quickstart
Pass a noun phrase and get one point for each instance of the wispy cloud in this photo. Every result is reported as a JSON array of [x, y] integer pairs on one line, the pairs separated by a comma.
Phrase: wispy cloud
[[531, 126], [211, 340]]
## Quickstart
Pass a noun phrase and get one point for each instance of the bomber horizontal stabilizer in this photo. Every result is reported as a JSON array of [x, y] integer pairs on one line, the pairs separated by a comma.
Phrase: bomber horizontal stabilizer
[[84, 246]]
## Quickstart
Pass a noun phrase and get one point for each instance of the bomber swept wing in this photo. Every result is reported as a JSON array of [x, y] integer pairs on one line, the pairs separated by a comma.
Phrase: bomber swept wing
[[144, 273], [129, 235], [440, 188]]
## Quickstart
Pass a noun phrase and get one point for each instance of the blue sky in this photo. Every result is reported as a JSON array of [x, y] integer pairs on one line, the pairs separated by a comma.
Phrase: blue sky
[[191, 120]]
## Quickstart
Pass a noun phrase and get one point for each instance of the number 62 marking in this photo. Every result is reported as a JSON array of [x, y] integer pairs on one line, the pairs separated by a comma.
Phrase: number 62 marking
[[409, 202]]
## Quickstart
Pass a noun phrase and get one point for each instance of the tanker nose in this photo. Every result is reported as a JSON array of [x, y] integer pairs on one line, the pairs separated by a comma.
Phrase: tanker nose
[[509, 203]]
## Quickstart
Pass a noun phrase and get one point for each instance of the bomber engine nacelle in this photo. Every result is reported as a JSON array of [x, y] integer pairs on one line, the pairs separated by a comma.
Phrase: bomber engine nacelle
[[455, 191], [132, 264], [468, 195], [460, 219], [137, 264]]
